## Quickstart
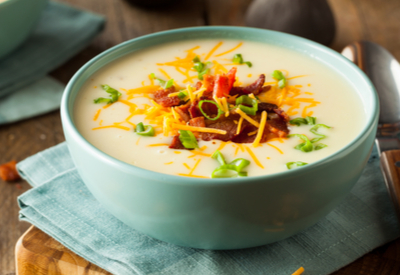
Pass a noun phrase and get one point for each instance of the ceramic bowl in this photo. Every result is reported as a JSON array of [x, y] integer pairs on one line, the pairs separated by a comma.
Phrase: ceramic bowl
[[222, 213], [17, 19]]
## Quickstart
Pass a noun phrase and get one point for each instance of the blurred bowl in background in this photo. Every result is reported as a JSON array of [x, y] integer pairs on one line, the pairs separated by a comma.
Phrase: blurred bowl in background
[[17, 20]]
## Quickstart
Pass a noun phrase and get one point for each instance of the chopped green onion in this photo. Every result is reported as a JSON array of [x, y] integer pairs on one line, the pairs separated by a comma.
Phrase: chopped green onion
[[114, 95], [188, 139], [314, 131], [237, 58], [298, 121], [145, 130], [140, 127], [200, 67], [240, 163], [169, 84], [278, 75], [218, 156], [182, 95], [244, 99], [231, 170], [227, 171], [204, 114], [163, 83], [291, 165], [196, 59], [311, 120], [319, 146], [307, 121], [306, 146]]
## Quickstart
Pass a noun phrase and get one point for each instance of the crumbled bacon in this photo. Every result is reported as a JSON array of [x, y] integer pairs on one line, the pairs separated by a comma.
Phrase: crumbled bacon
[[282, 114], [208, 83], [224, 123], [254, 88], [197, 122], [277, 125], [161, 97], [8, 171], [222, 86], [269, 107], [183, 111], [176, 143]]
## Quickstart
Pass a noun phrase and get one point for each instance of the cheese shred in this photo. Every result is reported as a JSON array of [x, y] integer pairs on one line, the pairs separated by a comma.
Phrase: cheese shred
[[260, 132]]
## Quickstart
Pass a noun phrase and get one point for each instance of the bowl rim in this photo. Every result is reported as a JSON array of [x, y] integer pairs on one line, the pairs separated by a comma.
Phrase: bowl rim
[[68, 125]]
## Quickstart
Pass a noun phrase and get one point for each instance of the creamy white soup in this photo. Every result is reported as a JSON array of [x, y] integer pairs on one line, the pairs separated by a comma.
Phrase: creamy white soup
[[309, 92]]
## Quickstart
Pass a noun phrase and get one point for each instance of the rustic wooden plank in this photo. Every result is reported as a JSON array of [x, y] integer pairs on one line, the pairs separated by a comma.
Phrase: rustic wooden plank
[[18, 141], [38, 253]]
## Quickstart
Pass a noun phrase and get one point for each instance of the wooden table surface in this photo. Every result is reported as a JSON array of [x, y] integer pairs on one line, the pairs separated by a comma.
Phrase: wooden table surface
[[374, 20]]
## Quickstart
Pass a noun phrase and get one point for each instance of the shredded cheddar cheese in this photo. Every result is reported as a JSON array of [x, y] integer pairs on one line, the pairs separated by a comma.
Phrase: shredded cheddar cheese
[[239, 127], [246, 117], [273, 146], [260, 132], [198, 129]]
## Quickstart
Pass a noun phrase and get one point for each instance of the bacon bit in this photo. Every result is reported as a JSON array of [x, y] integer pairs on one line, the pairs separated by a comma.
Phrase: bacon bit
[[231, 77], [177, 144], [161, 97], [208, 82], [8, 171], [221, 86]]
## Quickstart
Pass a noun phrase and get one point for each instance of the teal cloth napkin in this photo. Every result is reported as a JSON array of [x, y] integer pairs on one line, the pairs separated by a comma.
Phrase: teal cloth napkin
[[61, 33], [61, 205]]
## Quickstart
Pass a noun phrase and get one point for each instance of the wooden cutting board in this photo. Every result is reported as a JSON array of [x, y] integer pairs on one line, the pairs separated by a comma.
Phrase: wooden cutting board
[[38, 253]]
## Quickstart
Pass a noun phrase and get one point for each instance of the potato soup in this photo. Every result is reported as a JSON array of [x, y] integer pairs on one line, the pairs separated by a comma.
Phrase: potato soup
[[313, 100]]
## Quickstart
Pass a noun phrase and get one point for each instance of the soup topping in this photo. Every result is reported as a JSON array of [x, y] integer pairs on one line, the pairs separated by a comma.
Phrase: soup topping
[[217, 106]]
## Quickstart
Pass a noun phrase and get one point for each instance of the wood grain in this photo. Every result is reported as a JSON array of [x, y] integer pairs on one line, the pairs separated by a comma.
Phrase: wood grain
[[38, 253], [375, 20]]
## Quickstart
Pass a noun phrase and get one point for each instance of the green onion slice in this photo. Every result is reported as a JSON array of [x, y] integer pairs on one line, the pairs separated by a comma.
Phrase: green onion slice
[[278, 75], [220, 112], [114, 95], [231, 170], [227, 171], [200, 67], [314, 131], [306, 146], [237, 58], [298, 121], [244, 100], [163, 83], [307, 121], [182, 95], [145, 130], [188, 139], [219, 157], [319, 146], [311, 120], [240, 164], [295, 164]]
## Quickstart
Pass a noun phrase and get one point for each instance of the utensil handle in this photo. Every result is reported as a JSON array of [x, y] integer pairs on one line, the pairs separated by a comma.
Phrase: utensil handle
[[390, 165]]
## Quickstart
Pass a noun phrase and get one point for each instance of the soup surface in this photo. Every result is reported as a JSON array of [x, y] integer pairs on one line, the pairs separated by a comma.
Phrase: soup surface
[[312, 90]]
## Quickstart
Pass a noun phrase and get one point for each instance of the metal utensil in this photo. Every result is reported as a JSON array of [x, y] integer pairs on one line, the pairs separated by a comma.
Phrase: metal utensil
[[384, 71]]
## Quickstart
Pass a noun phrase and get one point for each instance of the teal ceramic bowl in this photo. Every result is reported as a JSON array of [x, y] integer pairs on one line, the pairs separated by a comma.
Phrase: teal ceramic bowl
[[17, 19], [222, 213]]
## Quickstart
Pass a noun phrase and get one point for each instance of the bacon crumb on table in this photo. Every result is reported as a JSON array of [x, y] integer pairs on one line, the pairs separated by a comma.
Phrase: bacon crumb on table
[[8, 171]]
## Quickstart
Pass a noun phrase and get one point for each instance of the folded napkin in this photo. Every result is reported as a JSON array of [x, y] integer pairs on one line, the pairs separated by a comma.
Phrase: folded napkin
[[61, 33], [61, 205]]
